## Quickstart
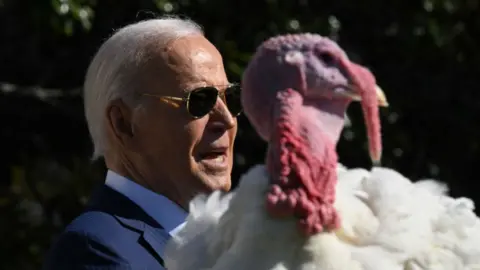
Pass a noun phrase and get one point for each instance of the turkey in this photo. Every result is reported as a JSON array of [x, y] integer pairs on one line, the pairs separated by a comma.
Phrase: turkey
[[303, 210]]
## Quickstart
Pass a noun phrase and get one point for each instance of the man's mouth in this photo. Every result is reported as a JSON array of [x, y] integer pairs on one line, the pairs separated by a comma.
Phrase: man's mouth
[[215, 159]]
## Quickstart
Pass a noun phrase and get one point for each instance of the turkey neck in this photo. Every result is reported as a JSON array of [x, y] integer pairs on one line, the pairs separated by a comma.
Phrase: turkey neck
[[321, 123], [302, 162]]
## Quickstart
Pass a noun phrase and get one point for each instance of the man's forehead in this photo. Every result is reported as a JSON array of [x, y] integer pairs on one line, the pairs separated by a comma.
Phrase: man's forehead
[[192, 50], [193, 62]]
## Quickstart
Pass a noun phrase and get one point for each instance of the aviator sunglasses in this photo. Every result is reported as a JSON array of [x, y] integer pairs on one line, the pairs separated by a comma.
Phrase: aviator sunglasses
[[201, 101]]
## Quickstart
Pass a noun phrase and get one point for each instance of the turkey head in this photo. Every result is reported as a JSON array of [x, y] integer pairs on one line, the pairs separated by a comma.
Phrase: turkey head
[[296, 90]]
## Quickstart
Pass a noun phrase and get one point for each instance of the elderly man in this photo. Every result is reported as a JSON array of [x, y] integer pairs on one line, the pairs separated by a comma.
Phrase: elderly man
[[162, 113]]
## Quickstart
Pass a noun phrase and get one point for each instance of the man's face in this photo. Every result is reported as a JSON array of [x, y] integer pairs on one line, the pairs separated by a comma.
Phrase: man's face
[[180, 154]]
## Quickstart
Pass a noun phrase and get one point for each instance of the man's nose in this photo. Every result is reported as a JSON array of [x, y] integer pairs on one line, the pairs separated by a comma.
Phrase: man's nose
[[221, 116]]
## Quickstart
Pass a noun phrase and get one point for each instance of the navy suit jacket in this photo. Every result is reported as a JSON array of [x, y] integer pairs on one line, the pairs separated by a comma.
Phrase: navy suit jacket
[[113, 233]]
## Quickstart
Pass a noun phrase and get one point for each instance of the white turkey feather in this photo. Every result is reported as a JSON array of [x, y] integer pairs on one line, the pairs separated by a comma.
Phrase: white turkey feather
[[388, 223]]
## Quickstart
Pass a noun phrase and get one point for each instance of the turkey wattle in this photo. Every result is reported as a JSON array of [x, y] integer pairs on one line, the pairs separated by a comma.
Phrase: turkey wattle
[[303, 210]]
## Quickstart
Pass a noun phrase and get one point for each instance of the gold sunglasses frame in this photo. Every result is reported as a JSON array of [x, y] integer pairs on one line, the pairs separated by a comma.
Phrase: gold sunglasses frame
[[174, 101]]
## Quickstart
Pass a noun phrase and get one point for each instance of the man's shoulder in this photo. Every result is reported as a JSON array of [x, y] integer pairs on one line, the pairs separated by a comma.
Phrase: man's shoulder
[[93, 223], [98, 226], [105, 228], [89, 241], [113, 232], [98, 238]]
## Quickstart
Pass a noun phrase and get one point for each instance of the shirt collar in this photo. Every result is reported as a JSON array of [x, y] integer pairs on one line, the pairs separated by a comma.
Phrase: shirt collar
[[165, 212]]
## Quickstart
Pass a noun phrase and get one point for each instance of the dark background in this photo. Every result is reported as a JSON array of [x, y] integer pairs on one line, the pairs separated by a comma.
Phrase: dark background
[[424, 55]]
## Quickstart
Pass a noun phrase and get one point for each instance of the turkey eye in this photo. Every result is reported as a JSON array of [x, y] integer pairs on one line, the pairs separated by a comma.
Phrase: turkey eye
[[326, 58]]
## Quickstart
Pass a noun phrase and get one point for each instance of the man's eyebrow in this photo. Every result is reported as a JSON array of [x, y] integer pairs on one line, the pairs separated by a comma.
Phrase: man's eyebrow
[[194, 86], [205, 84]]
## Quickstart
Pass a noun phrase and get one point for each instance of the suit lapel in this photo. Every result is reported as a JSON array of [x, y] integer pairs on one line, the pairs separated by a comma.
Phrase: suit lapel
[[152, 235], [156, 239], [153, 239]]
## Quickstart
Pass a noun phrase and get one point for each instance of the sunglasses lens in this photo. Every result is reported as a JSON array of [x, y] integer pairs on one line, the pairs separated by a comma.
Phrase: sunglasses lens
[[233, 100], [202, 101]]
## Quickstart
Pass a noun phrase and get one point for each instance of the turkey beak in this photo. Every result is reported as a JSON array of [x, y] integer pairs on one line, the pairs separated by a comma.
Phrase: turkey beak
[[382, 99]]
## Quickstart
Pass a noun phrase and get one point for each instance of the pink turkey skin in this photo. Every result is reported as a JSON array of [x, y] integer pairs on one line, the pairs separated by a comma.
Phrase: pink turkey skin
[[366, 85], [303, 181], [292, 106]]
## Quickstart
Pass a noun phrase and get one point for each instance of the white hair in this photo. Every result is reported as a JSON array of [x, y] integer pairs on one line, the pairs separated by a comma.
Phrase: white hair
[[112, 72]]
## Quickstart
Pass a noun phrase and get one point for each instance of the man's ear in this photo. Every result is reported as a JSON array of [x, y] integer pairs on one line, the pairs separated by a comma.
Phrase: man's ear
[[119, 122]]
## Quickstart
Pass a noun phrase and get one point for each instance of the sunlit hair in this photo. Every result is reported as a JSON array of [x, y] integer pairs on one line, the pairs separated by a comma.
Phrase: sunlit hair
[[112, 72]]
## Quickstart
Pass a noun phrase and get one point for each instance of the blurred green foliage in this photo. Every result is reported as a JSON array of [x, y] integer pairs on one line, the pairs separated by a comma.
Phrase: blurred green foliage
[[424, 54]]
